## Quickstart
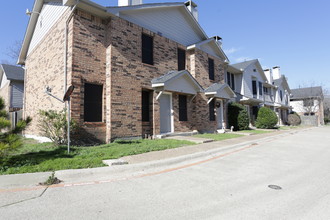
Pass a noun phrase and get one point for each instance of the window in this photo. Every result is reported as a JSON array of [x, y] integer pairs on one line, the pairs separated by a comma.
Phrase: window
[[183, 116], [308, 102], [145, 106], [211, 69], [231, 80], [93, 102], [265, 90], [254, 87], [211, 110], [281, 95], [228, 78], [147, 49], [181, 59], [260, 88]]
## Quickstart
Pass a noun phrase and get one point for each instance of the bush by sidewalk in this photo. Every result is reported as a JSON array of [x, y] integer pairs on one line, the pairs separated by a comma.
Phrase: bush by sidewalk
[[266, 118]]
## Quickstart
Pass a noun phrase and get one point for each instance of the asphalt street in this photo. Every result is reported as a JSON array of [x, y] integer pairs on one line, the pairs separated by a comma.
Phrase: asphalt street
[[280, 178]]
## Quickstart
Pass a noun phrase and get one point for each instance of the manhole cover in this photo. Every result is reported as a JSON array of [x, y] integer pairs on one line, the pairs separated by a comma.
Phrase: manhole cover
[[275, 187]]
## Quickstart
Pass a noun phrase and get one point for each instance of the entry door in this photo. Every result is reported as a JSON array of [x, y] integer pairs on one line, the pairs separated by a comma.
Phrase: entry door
[[220, 115], [165, 113]]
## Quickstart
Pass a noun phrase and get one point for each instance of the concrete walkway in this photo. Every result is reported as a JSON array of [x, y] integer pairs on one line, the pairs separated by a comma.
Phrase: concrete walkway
[[138, 164]]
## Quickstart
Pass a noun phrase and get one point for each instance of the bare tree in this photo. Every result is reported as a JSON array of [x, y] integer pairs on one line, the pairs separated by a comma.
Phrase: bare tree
[[13, 53]]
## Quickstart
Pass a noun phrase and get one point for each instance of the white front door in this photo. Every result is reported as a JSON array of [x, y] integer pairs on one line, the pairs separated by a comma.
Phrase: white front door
[[220, 115], [165, 101]]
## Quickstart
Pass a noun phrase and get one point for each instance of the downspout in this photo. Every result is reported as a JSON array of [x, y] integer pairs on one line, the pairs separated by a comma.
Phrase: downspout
[[66, 46]]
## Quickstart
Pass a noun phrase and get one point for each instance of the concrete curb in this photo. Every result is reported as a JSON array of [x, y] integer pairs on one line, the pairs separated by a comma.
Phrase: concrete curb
[[122, 171]]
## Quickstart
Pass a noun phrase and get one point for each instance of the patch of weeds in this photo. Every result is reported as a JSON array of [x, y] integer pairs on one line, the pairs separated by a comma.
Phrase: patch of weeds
[[52, 179]]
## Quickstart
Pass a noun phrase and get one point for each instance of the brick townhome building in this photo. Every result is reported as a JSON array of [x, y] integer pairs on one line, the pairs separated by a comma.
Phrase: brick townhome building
[[138, 69]]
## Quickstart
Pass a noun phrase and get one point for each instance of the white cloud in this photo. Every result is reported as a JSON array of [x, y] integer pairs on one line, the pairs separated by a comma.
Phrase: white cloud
[[231, 50], [242, 59]]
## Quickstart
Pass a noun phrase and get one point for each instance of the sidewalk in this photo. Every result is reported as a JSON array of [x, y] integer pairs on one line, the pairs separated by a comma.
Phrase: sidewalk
[[139, 164]]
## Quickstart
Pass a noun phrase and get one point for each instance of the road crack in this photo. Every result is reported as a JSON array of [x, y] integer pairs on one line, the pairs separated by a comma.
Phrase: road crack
[[25, 200]]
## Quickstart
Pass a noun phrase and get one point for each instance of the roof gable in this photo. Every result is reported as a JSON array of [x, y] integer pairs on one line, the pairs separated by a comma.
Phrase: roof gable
[[220, 91], [211, 46], [177, 81], [282, 82], [171, 20], [246, 64]]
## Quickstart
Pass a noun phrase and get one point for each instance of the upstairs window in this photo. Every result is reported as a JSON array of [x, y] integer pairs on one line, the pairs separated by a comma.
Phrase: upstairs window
[[211, 69], [260, 88], [183, 116], [147, 49], [254, 87], [228, 78], [93, 103], [281, 95], [265, 90], [181, 59], [211, 110], [145, 106], [231, 80]]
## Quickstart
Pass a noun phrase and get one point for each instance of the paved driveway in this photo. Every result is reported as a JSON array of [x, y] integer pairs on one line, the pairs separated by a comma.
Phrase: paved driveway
[[233, 185]]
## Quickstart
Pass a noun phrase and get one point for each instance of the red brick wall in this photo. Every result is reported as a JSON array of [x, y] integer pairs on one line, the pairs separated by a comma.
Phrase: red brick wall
[[108, 53]]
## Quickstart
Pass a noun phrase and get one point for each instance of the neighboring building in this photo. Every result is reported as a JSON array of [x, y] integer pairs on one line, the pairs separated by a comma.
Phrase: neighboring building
[[309, 104], [11, 90], [326, 108], [248, 79], [138, 70], [282, 95]]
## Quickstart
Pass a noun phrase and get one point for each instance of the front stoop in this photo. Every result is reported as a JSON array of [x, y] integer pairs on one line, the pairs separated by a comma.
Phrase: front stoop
[[196, 140]]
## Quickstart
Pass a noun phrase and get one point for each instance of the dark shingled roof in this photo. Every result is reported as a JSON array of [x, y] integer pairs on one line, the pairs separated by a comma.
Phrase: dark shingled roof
[[308, 92], [167, 76], [13, 72], [214, 87], [244, 64]]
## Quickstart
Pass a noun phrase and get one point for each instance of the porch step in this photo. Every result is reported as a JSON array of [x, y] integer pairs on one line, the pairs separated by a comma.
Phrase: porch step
[[197, 140]]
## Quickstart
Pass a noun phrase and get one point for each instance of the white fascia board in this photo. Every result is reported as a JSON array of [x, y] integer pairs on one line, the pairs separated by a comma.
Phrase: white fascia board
[[29, 31], [118, 9], [199, 27], [157, 85], [38, 4], [210, 93]]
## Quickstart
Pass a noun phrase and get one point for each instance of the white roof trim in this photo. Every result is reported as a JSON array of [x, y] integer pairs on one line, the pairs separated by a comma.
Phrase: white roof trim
[[158, 85], [207, 41], [38, 4]]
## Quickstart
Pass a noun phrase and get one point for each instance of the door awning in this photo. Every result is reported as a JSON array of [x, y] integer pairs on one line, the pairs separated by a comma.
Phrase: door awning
[[177, 81], [218, 90]]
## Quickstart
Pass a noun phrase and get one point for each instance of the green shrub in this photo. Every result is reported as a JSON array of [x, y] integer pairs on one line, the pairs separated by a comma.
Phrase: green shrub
[[294, 119], [53, 125], [267, 118], [9, 138], [238, 116], [243, 120]]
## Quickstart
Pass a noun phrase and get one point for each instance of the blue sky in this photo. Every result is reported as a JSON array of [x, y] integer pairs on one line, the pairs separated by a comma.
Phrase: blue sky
[[292, 34]]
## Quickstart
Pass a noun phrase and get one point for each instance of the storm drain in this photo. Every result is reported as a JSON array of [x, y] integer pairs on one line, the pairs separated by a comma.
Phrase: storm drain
[[275, 187]]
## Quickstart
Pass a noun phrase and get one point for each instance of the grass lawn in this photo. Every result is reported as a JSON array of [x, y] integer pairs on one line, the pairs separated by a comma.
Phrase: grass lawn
[[219, 137], [254, 131], [37, 157]]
